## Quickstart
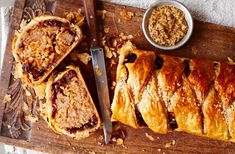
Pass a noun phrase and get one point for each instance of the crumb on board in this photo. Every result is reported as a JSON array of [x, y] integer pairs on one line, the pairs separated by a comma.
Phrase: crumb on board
[[230, 60], [158, 150], [84, 58], [149, 137], [108, 53], [7, 98], [75, 17], [106, 29], [98, 71], [102, 13], [31, 118], [169, 144], [127, 15], [119, 141], [91, 152]]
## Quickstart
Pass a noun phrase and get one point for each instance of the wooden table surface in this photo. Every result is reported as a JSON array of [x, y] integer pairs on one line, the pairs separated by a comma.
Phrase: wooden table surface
[[209, 41]]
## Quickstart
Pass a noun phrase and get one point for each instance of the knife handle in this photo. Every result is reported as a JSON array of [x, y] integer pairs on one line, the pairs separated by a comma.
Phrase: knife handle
[[90, 11]]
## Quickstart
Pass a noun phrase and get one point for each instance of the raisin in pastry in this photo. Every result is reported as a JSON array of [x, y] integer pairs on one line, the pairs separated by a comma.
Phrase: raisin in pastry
[[169, 93], [42, 44], [69, 107]]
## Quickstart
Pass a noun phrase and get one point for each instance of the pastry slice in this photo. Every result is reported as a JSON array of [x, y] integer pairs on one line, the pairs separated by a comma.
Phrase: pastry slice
[[70, 109], [42, 45]]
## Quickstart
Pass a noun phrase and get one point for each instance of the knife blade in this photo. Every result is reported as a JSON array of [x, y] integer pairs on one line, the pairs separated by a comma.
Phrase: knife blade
[[99, 69]]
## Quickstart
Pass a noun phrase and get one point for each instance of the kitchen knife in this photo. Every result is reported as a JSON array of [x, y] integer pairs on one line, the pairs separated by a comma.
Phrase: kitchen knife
[[99, 69]]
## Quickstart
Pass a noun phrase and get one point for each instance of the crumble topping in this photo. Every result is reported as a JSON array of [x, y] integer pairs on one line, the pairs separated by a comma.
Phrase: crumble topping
[[167, 25]]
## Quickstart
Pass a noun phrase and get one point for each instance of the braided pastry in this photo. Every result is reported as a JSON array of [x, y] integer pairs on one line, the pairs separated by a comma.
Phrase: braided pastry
[[168, 93]]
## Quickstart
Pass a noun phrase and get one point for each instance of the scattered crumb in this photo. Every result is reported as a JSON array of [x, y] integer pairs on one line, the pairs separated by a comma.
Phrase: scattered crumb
[[75, 17], [114, 54], [149, 137], [112, 63], [7, 98], [230, 60], [125, 37], [169, 144], [119, 141], [108, 53], [8, 126], [194, 50], [74, 148], [163, 153], [143, 150], [119, 20], [31, 118], [84, 58], [91, 152], [159, 150], [38, 128], [102, 13], [97, 71], [127, 15], [106, 30]]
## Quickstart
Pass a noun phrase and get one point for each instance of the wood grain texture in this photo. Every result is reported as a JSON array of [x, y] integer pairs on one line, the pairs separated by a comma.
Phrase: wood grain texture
[[209, 41]]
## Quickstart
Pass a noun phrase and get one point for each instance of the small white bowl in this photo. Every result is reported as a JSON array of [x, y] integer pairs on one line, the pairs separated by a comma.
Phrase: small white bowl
[[188, 18]]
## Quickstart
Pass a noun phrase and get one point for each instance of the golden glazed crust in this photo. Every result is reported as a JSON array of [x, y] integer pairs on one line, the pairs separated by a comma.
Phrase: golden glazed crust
[[169, 93], [42, 45], [69, 107]]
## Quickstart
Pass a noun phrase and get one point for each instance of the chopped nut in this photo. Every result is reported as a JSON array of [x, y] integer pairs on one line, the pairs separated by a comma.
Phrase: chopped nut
[[84, 58], [167, 25], [127, 15], [7, 98], [119, 141], [149, 137], [97, 71]]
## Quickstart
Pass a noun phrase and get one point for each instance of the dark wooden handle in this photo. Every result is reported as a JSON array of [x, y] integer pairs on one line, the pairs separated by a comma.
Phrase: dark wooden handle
[[90, 11]]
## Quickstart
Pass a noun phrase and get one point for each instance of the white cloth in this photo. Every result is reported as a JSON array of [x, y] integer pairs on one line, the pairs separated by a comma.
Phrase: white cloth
[[214, 11]]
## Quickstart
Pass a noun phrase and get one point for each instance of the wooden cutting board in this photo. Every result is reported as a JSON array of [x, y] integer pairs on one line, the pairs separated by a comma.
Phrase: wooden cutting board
[[209, 41]]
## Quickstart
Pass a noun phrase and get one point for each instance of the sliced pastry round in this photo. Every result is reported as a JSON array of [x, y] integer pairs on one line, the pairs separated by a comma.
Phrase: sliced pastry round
[[70, 109], [42, 44]]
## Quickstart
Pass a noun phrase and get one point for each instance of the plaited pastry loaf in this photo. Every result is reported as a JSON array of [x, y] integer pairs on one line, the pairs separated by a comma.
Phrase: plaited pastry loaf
[[169, 93]]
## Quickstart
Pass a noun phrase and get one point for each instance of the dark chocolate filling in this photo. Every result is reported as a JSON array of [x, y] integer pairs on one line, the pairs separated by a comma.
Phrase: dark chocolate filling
[[187, 70], [140, 120], [130, 58], [172, 121], [158, 62], [91, 123], [56, 88]]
